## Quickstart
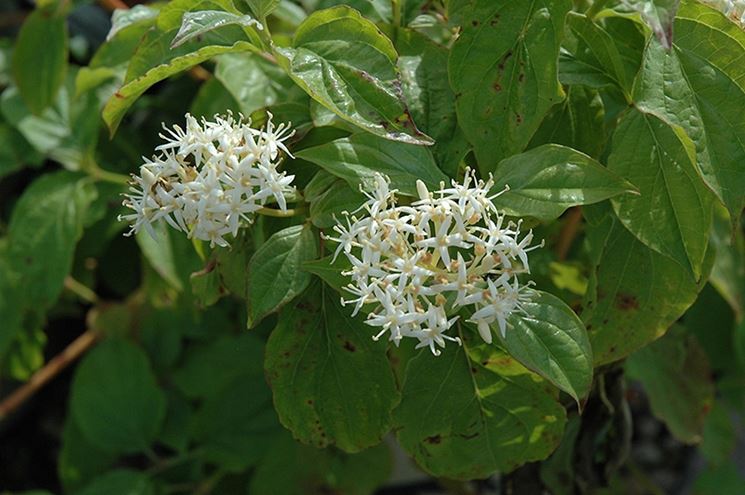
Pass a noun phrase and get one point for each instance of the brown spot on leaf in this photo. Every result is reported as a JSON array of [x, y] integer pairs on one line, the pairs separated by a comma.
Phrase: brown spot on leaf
[[497, 87], [626, 302], [433, 439], [349, 346]]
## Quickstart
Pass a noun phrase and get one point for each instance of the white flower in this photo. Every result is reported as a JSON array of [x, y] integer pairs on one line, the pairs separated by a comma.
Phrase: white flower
[[209, 177], [422, 264]]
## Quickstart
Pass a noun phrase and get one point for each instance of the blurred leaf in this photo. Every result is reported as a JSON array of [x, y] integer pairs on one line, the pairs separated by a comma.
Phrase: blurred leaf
[[346, 391], [723, 480], [274, 275], [672, 213], [208, 369], [79, 460], [547, 180], [475, 400], [26, 354], [262, 8], [285, 470], [345, 63], [115, 399], [551, 340], [675, 374], [40, 58], [159, 253], [719, 436], [123, 481], [357, 159], [503, 69]]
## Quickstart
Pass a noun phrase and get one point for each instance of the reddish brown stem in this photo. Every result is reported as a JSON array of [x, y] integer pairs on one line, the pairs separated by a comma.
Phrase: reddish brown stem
[[568, 233]]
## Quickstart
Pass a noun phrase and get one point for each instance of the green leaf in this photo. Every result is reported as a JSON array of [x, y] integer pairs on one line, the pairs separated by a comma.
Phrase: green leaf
[[577, 122], [598, 49], [719, 436], [699, 86], [44, 228], [115, 399], [262, 8], [503, 69], [332, 384], [154, 61], [330, 272], [357, 159], [208, 369], [672, 214], [79, 460], [40, 58], [346, 64], [423, 66], [547, 180], [254, 82], [196, 24], [274, 275], [552, 341], [120, 481], [159, 252], [659, 15], [728, 274], [722, 480], [285, 470], [473, 410], [675, 374], [635, 293], [236, 426], [329, 206]]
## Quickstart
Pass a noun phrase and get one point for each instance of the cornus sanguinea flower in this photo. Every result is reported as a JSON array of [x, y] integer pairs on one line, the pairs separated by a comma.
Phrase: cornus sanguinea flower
[[209, 177], [422, 264]]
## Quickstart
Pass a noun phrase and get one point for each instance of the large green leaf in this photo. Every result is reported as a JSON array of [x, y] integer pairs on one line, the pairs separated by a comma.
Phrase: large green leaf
[[700, 86], [332, 384], [196, 24], [357, 158], [503, 69], [473, 410], [346, 64], [274, 275], [40, 58], [154, 61], [423, 65], [675, 374], [547, 180], [120, 481], [552, 341], [79, 460], [115, 399], [635, 292], [285, 469], [328, 208], [672, 214]]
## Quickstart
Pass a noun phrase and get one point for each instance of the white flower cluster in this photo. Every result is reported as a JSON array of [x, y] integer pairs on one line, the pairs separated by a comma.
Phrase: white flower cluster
[[421, 264], [734, 9], [210, 176]]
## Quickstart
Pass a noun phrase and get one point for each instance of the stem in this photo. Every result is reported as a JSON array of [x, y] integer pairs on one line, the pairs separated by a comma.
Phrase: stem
[[271, 212], [82, 291], [396, 10], [113, 4], [568, 232], [106, 176], [58, 363], [595, 8]]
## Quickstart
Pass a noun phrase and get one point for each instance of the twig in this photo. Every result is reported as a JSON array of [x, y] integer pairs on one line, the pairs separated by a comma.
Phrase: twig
[[568, 232], [53, 368], [80, 290], [113, 4]]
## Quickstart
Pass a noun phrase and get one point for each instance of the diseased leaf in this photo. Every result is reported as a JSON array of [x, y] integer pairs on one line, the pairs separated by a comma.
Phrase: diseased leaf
[[357, 159], [475, 400], [635, 293], [347, 65], [700, 86], [503, 69], [672, 213], [552, 341], [675, 374], [274, 275], [115, 399], [545, 181], [345, 392]]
